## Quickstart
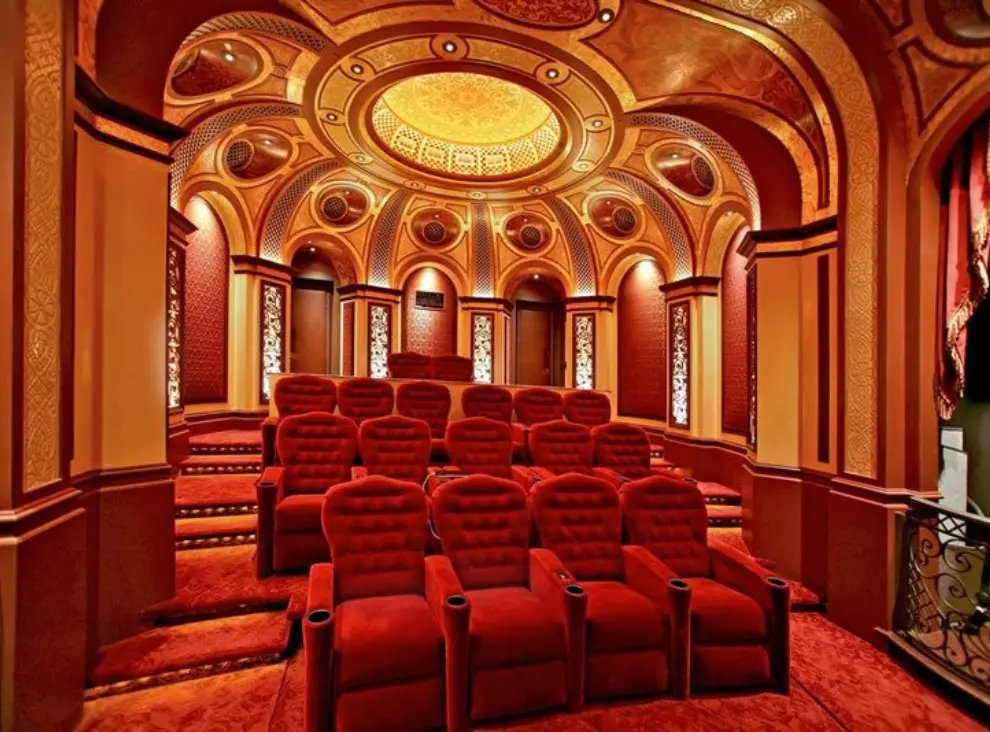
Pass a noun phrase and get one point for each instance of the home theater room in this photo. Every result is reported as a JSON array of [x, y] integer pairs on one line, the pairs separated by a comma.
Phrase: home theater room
[[496, 365]]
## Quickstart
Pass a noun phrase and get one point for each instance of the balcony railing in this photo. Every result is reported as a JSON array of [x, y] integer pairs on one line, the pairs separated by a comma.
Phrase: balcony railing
[[943, 606]]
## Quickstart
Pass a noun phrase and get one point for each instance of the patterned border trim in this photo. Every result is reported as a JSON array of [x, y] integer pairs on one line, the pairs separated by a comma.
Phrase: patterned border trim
[[386, 231], [672, 227], [280, 213], [582, 261], [206, 511], [210, 542], [483, 255], [272, 25]]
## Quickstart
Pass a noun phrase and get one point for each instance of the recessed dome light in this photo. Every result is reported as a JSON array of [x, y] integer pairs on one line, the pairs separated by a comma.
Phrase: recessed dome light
[[553, 73], [268, 141], [357, 68], [606, 16], [331, 117], [597, 123], [536, 277], [229, 57], [450, 47], [312, 248]]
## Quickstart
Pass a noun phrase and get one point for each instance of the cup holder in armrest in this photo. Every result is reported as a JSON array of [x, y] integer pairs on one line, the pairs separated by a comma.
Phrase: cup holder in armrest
[[456, 601], [777, 581], [576, 590], [678, 584], [318, 616]]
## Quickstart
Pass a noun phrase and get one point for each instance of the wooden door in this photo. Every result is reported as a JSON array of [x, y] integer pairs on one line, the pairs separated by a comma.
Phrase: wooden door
[[534, 344], [311, 330]]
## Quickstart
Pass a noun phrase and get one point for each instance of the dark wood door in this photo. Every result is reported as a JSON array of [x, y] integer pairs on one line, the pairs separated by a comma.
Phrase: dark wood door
[[311, 330], [534, 344]]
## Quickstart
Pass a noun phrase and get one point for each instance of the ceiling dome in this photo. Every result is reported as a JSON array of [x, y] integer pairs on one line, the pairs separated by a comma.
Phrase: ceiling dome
[[466, 124]]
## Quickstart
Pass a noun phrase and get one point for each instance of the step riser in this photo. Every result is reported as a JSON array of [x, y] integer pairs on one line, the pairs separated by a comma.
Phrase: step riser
[[209, 511], [225, 450], [211, 542], [220, 469], [722, 523]]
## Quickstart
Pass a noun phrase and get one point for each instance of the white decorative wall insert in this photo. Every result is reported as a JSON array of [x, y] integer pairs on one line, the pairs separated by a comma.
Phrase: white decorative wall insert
[[378, 335], [483, 348], [272, 335], [680, 341], [584, 351]]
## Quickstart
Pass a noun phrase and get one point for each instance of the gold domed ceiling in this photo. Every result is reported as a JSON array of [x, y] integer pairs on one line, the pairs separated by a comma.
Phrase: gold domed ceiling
[[466, 124]]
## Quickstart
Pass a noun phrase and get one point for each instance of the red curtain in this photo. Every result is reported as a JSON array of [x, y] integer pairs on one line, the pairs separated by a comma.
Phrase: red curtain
[[963, 249]]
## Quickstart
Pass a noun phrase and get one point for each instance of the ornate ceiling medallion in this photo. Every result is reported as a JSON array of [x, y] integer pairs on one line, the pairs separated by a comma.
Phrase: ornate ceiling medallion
[[255, 154], [528, 232], [685, 168], [436, 227], [545, 13], [467, 125], [614, 216], [214, 66], [343, 205]]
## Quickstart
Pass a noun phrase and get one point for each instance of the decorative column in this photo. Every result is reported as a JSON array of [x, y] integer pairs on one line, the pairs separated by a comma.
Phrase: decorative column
[[179, 227], [587, 331], [369, 328], [488, 321]]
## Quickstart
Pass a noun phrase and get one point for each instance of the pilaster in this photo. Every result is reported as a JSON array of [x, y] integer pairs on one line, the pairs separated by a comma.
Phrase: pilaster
[[488, 323], [371, 320]]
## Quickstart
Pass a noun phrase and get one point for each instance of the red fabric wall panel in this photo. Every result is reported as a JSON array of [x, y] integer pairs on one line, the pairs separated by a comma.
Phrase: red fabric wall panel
[[735, 388], [425, 330], [642, 314], [206, 306], [347, 328]]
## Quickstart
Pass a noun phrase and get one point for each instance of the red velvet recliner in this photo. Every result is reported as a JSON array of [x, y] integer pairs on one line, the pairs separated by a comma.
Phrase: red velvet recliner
[[430, 402], [622, 453], [494, 402], [295, 394], [377, 618], [532, 406], [364, 398], [637, 638], [409, 365], [396, 447], [560, 447], [590, 408], [477, 445], [527, 626], [740, 613], [453, 368], [317, 451]]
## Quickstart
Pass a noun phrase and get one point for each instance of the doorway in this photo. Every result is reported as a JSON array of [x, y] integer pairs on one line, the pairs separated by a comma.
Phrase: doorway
[[311, 341], [540, 320]]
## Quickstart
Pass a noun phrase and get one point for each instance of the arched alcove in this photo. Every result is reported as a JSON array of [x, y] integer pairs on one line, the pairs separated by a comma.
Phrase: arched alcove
[[538, 324], [641, 309], [735, 340], [429, 313], [313, 347]]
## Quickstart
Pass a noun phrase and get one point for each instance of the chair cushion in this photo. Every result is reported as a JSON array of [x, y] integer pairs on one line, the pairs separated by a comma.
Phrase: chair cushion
[[381, 640], [510, 626], [722, 616], [620, 619], [299, 513]]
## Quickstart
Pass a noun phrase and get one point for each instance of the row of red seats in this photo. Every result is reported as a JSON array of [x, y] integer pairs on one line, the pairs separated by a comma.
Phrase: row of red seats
[[623, 597], [319, 450], [364, 398], [412, 365]]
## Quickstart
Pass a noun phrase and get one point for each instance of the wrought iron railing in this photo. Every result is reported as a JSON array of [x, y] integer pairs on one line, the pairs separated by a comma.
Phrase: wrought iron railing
[[943, 604]]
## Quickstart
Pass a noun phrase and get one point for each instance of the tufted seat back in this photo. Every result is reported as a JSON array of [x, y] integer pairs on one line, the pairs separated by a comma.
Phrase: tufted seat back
[[317, 451], [453, 368], [578, 518], [409, 365], [483, 524], [396, 446], [427, 401], [486, 400], [590, 408], [668, 517], [377, 529], [301, 393], [561, 447], [480, 445], [624, 448], [365, 398], [538, 405]]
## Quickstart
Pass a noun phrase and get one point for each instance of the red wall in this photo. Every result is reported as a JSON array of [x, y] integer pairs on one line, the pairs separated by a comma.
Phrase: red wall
[[206, 307], [430, 332], [735, 392], [642, 314]]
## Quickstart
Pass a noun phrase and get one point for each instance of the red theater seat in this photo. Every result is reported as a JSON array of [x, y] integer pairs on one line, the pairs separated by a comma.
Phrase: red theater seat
[[560, 447], [622, 453], [396, 447], [317, 451], [739, 612], [494, 402], [590, 408], [526, 630], [365, 398], [295, 394], [637, 610], [377, 617], [430, 402], [477, 445], [532, 406], [409, 365], [453, 368]]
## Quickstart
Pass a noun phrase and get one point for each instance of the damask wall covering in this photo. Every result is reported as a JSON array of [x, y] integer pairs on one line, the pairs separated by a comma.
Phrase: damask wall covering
[[429, 331], [735, 387], [205, 317], [642, 325]]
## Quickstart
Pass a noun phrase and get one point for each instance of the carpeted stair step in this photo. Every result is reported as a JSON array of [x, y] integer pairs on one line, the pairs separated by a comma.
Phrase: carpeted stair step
[[722, 515], [179, 652], [211, 531], [716, 493], [226, 442], [215, 495], [221, 464]]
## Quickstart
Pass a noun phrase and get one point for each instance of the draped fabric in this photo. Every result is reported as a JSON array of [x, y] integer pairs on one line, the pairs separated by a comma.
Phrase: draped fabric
[[965, 255]]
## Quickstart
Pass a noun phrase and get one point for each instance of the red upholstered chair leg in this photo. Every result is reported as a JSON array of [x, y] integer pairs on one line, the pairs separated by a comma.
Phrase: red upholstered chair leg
[[267, 490], [451, 609], [779, 622], [680, 638], [318, 649]]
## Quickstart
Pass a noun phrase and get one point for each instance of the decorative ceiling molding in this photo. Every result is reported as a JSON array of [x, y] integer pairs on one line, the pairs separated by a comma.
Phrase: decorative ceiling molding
[[484, 255], [383, 239], [280, 214], [578, 246], [673, 228], [272, 25]]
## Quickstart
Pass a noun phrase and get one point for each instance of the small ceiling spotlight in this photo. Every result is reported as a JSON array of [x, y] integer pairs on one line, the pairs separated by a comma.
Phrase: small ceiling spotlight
[[536, 277], [606, 16], [675, 156], [312, 248], [268, 141], [229, 57], [331, 117], [553, 73], [449, 46], [597, 123], [357, 68]]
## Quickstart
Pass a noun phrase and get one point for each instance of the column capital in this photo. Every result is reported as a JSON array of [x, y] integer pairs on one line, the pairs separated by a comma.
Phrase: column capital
[[487, 304], [798, 241], [360, 291], [247, 264], [701, 286], [179, 228], [590, 302]]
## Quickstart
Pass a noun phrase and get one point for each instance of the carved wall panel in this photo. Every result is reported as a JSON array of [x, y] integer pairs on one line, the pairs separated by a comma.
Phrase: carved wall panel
[[427, 327], [272, 335], [483, 347], [584, 351], [174, 330], [379, 339], [680, 364]]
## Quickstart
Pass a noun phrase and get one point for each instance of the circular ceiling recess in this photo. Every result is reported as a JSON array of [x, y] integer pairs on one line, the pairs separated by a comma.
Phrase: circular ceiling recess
[[685, 168], [215, 66], [466, 125]]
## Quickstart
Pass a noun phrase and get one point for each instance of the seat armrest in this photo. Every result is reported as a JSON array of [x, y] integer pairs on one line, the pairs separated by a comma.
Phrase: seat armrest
[[539, 473], [452, 611], [556, 588], [358, 472], [522, 476], [269, 429], [611, 476], [647, 575], [267, 489], [317, 648]]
